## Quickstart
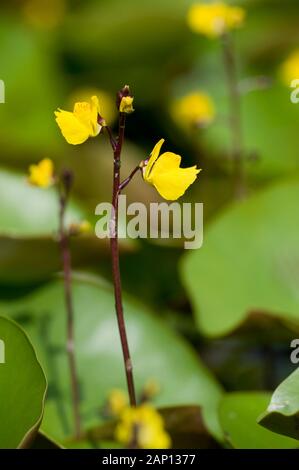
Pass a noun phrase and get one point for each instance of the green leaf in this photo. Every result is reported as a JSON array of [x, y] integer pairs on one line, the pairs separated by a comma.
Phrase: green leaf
[[29, 250], [267, 134], [248, 262], [238, 417], [157, 353], [136, 24], [28, 223], [22, 388], [42, 441], [28, 125], [282, 413], [28, 211]]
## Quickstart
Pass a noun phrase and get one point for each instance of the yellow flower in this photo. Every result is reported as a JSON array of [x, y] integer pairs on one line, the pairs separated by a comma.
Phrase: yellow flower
[[142, 427], [42, 174], [164, 172], [126, 104], [107, 100], [151, 389], [44, 14], [214, 19], [85, 226], [193, 110], [80, 227], [117, 401], [82, 123], [289, 70]]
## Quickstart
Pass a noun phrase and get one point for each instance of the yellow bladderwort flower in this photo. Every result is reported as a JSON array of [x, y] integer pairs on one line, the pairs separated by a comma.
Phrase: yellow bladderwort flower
[[82, 123], [193, 110], [117, 401], [164, 173], [126, 104], [107, 100], [214, 19], [289, 70], [142, 427], [42, 174]]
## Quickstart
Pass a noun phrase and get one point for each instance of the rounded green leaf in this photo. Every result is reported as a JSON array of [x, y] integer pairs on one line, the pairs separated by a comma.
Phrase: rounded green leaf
[[29, 251], [28, 125], [157, 353], [248, 262], [22, 387], [28, 223], [238, 414], [282, 413], [28, 211], [42, 441], [265, 130]]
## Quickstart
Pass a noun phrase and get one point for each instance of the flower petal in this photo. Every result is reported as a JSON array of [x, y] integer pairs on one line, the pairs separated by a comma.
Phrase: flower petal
[[172, 184], [74, 131], [95, 111], [42, 173], [167, 161], [153, 157]]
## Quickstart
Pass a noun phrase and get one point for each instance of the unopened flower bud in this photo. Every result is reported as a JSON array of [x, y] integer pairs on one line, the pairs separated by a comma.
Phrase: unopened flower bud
[[67, 178], [124, 100]]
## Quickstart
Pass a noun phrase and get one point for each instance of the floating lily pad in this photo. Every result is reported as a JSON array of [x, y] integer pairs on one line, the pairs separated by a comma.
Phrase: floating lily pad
[[248, 262], [99, 357], [29, 250], [238, 417], [282, 413], [22, 388]]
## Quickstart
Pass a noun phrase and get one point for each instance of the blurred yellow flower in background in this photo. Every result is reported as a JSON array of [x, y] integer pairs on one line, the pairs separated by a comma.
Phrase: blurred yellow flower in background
[[77, 126], [44, 14], [151, 388], [42, 174], [142, 427], [80, 228], [214, 19], [126, 104], [85, 226], [289, 70], [195, 109], [164, 173], [117, 401]]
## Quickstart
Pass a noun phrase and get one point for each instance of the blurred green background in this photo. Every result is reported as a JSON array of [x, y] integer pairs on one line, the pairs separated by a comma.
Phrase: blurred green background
[[220, 318]]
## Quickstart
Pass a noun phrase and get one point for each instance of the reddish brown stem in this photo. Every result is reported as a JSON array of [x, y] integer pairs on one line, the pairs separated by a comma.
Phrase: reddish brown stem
[[70, 345], [115, 261], [125, 182], [229, 60]]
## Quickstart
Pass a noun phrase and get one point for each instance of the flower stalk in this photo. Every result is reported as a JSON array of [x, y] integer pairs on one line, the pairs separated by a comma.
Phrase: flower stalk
[[235, 119], [115, 258], [161, 171], [64, 191]]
